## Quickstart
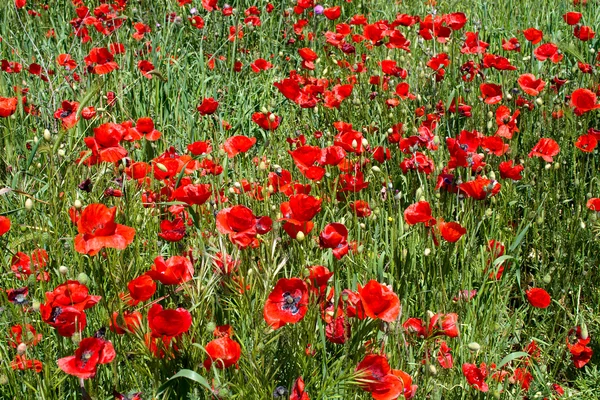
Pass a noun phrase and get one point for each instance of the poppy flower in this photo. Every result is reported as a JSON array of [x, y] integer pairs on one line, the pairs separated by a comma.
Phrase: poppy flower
[[581, 354], [145, 127], [306, 158], [530, 85], [451, 231], [26, 333], [584, 100], [287, 303], [584, 33], [105, 142], [444, 356], [222, 353], [298, 213], [174, 271], [572, 17], [335, 236], [548, 51], [193, 194], [332, 13], [480, 188], [208, 106], [260, 64], [91, 352], [511, 44], [538, 298], [593, 204], [132, 320], [238, 144], [510, 171], [72, 293], [242, 226], [172, 231], [360, 208], [66, 320], [546, 149], [8, 106], [268, 121], [491, 93], [141, 288], [20, 4], [67, 114], [168, 322], [298, 392], [476, 376], [100, 61], [4, 225], [97, 230], [533, 35], [377, 377], [200, 147], [418, 212], [379, 301]]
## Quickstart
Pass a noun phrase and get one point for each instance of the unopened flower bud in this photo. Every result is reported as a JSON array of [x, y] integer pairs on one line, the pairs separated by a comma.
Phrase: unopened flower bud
[[300, 236], [474, 347], [83, 278], [63, 270], [47, 135], [28, 204], [21, 348]]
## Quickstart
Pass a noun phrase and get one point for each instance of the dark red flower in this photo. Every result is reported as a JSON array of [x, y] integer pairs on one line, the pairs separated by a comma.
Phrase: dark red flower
[[510, 171], [379, 301], [175, 271], [67, 114], [91, 352], [172, 231], [491, 93], [287, 303], [476, 376], [97, 230]]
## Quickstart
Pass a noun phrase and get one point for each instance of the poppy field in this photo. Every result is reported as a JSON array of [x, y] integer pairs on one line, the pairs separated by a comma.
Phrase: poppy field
[[299, 199]]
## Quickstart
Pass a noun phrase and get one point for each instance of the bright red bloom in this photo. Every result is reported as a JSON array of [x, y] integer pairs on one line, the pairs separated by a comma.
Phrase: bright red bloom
[[22, 363], [175, 271], [23, 334], [318, 278], [581, 354], [132, 320], [444, 356], [379, 301], [593, 204], [379, 379], [305, 158], [222, 353], [172, 231], [268, 121], [530, 85], [451, 231], [298, 213], [332, 13], [67, 114], [335, 236], [141, 288], [361, 208], [538, 298], [548, 51], [105, 142], [584, 33], [298, 392], [572, 17], [72, 293], [287, 303], [4, 225], [193, 193], [510, 171], [476, 376], [238, 144], [91, 352], [533, 35], [242, 226], [480, 188], [100, 61], [419, 212], [208, 106], [97, 230], [491, 93], [8, 106], [168, 322], [584, 100], [546, 149]]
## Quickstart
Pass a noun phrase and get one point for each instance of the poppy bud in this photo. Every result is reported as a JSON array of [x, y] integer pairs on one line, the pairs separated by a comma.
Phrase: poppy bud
[[490, 124], [547, 278], [432, 369], [28, 204], [582, 224], [300, 236], [161, 167], [539, 101], [363, 226], [231, 190], [427, 251], [375, 168], [584, 331], [47, 135], [210, 327], [474, 347], [365, 142], [61, 152], [35, 305], [508, 96], [547, 166], [21, 348], [63, 270], [83, 278], [3, 380]]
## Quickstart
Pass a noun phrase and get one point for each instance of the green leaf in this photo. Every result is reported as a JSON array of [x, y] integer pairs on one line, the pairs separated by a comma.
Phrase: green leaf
[[188, 374], [511, 357]]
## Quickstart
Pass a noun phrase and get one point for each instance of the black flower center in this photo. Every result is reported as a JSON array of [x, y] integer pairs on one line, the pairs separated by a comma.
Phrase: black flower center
[[291, 303]]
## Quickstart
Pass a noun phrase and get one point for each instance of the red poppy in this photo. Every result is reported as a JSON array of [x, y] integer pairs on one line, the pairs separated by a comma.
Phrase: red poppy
[[287, 303], [335, 236], [238, 144], [66, 320], [23, 334], [4, 225], [548, 51], [377, 377], [491, 93], [318, 278], [480, 188], [132, 320], [268, 121], [530, 85], [546, 149], [97, 230], [222, 353], [298, 392], [538, 298], [584, 100], [105, 142], [260, 64], [168, 322], [91, 352], [379, 301], [581, 354], [306, 158], [476, 376], [100, 61], [593, 204], [511, 44], [583, 33], [22, 363], [332, 13], [175, 271], [298, 213], [510, 171], [193, 193], [199, 148], [20, 4], [533, 35], [361, 208], [451, 231], [572, 17], [67, 114], [242, 226], [8, 106], [172, 231], [141, 288], [473, 45], [72, 293], [419, 212], [208, 106], [444, 357]]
